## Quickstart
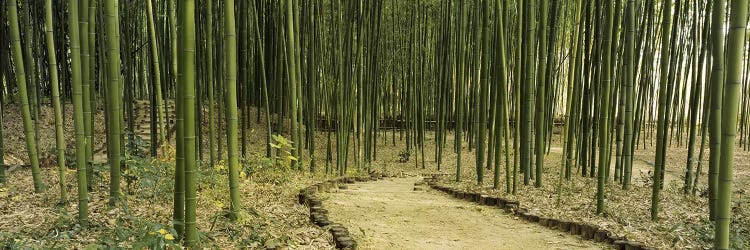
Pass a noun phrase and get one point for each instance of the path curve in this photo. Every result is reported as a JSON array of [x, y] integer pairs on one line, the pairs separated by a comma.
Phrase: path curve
[[388, 214]]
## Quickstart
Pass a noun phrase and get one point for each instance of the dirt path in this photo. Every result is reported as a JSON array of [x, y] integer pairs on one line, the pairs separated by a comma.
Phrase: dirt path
[[387, 214]]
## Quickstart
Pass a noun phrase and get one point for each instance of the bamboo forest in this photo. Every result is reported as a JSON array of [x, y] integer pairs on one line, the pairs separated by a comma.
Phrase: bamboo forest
[[374, 124]]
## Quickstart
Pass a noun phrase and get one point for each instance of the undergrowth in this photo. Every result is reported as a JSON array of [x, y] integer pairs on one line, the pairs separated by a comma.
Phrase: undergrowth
[[142, 220]]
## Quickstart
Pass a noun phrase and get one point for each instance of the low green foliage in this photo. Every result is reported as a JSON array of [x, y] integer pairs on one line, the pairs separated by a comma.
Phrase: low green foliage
[[738, 237], [148, 175], [283, 157], [137, 146], [266, 170], [11, 241], [158, 237]]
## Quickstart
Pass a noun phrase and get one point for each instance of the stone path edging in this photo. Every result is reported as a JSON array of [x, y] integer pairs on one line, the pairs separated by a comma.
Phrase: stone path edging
[[585, 230], [319, 215]]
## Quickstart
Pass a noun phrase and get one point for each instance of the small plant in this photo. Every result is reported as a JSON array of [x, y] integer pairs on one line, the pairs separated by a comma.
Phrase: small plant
[[647, 178], [263, 169], [137, 145], [10, 241], [143, 173], [403, 157], [284, 149], [158, 237]]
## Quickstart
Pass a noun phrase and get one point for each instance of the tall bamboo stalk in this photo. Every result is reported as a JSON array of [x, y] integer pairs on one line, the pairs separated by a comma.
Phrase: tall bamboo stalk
[[78, 120], [114, 146], [604, 118], [55, 86], [717, 89], [539, 118], [186, 72], [460, 87], [629, 89], [662, 119], [160, 106], [28, 125], [230, 55], [735, 47]]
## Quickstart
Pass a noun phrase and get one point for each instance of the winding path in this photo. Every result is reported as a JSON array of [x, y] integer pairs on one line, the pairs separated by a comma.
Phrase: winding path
[[388, 214]]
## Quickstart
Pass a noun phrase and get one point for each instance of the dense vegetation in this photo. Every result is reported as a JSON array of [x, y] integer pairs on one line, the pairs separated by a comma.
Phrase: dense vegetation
[[504, 77]]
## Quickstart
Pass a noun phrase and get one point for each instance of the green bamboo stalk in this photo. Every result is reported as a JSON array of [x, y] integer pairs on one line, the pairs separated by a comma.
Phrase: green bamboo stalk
[[210, 75], [3, 178], [696, 89], [735, 48], [113, 103], [28, 126], [460, 87], [293, 78], [55, 86], [86, 74], [570, 117], [482, 53], [187, 84], [528, 100], [661, 126], [30, 59], [91, 98], [629, 89], [160, 106], [501, 104], [706, 94], [75, 57], [178, 216], [604, 118], [518, 93], [717, 89], [230, 55], [541, 94], [261, 56]]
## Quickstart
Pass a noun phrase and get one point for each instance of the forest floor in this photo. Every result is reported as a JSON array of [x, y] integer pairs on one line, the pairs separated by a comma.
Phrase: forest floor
[[389, 214], [683, 219], [272, 218]]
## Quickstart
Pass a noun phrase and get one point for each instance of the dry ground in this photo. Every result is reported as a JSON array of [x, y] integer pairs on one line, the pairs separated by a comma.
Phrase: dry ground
[[388, 214], [683, 219]]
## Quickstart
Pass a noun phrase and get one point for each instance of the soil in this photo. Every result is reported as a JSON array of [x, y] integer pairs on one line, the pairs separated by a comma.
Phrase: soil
[[387, 214]]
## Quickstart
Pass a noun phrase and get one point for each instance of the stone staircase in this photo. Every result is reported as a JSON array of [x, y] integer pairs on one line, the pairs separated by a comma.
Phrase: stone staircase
[[142, 123]]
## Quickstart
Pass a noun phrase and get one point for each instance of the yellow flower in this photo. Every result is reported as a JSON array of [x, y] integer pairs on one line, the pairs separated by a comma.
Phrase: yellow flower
[[168, 237], [163, 231], [242, 174], [219, 204], [219, 167]]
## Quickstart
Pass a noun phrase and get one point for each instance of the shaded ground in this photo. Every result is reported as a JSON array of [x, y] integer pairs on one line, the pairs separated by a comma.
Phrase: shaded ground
[[387, 214]]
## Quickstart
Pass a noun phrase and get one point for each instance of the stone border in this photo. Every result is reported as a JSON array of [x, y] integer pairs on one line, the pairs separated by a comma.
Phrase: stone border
[[319, 215], [585, 230]]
